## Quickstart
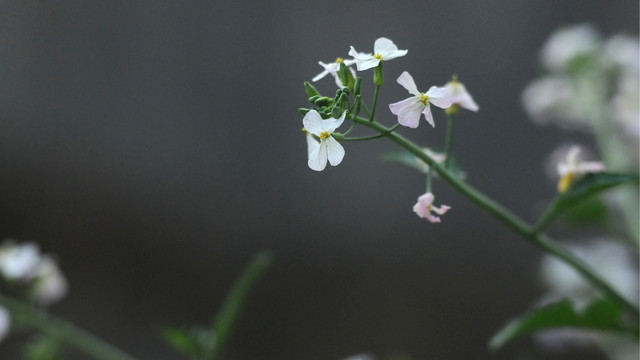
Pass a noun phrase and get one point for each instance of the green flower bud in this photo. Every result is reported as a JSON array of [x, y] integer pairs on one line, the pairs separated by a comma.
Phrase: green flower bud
[[378, 75], [357, 86], [310, 90], [346, 76], [323, 101], [304, 111], [357, 104]]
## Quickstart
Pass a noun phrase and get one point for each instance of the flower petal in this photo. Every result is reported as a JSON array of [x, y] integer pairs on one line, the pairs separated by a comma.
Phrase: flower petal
[[312, 144], [384, 45], [318, 158], [590, 167], [335, 151], [408, 111], [312, 122], [439, 97], [393, 54], [441, 210], [333, 124], [428, 116], [367, 64], [406, 80], [466, 102]]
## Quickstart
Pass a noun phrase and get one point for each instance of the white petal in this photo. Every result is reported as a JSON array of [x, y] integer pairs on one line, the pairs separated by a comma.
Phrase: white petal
[[333, 124], [440, 210], [439, 97], [335, 151], [359, 56], [367, 64], [590, 167], [312, 144], [393, 54], [428, 116], [466, 102], [320, 76], [408, 111], [407, 82], [384, 45], [312, 122], [318, 158]]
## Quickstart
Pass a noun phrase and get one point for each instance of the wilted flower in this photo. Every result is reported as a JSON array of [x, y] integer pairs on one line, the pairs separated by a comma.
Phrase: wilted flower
[[18, 261], [328, 147], [460, 95], [50, 285], [333, 68], [568, 44], [572, 168], [409, 110], [383, 50], [425, 206]]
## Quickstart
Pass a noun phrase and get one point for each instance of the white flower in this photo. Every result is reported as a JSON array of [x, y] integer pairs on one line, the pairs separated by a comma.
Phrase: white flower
[[409, 110], [553, 98], [569, 43], [333, 69], [572, 168], [18, 262], [622, 52], [460, 95], [424, 206], [50, 284], [328, 147], [383, 50], [5, 322]]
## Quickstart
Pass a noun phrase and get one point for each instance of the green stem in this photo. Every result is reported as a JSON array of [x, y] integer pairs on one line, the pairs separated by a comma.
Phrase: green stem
[[30, 316], [342, 137], [541, 241], [449, 142], [375, 103], [429, 176]]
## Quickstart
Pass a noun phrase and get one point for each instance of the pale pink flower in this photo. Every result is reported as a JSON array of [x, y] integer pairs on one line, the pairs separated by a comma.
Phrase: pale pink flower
[[383, 50], [425, 206], [409, 110], [460, 95]]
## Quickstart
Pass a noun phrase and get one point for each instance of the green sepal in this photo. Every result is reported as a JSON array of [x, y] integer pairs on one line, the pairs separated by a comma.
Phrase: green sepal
[[303, 111], [357, 104], [346, 77], [378, 74], [311, 90], [357, 86]]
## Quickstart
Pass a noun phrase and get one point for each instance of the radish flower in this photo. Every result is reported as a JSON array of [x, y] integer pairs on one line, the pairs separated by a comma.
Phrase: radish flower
[[383, 48], [425, 206], [573, 168], [328, 148], [333, 68], [409, 110]]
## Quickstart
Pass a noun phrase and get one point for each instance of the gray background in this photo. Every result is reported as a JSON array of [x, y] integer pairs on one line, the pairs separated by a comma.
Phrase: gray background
[[154, 147]]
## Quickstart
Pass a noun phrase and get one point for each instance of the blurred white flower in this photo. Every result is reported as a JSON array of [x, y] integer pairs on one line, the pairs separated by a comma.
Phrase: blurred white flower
[[18, 261], [625, 107], [50, 285], [568, 43], [572, 168], [460, 95], [409, 110], [5, 322], [622, 52], [333, 68], [611, 260], [328, 148], [424, 207], [383, 50]]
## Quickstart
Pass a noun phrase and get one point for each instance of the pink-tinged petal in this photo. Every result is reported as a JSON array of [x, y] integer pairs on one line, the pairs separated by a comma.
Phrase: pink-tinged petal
[[318, 158], [312, 122], [439, 97], [312, 144], [441, 210], [407, 82], [428, 116], [408, 111], [432, 219], [335, 151], [591, 167]]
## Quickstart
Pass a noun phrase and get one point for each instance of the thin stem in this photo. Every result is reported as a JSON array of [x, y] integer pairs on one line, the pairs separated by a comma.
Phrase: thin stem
[[429, 176], [542, 241], [89, 344], [375, 103], [449, 142], [363, 138]]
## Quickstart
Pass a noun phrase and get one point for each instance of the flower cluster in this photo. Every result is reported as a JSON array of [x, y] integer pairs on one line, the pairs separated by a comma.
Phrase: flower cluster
[[320, 123]]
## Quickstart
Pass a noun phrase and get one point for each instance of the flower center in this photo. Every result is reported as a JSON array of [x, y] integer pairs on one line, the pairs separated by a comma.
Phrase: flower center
[[339, 60], [324, 135], [565, 182], [424, 99], [378, 56], [305, 130]]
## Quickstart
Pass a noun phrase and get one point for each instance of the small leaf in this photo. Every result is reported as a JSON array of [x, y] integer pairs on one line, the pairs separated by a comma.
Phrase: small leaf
[[602, 315]]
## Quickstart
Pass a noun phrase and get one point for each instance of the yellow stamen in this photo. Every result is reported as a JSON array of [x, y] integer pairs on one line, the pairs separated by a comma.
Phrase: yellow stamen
[[339, 60], [304, 130], [565, 182], [424, 99], [378, 56], [324, 135]]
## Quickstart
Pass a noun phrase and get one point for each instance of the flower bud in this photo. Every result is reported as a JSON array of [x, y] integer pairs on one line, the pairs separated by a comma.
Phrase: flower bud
[[346, 77], [357, 86], [310, 90], [378, 75]]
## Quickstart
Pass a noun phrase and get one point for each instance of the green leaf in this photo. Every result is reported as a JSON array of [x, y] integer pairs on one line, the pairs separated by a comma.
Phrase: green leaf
[[582, 190], [601, 315]]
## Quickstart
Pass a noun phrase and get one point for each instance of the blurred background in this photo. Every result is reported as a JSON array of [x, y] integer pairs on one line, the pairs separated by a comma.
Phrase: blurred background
[[155, 147]]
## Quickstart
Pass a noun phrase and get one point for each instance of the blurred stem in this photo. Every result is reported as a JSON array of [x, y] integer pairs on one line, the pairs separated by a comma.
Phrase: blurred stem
[[449, 142], [30, 316], [541, 241], [228, 315], [429, 177]]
